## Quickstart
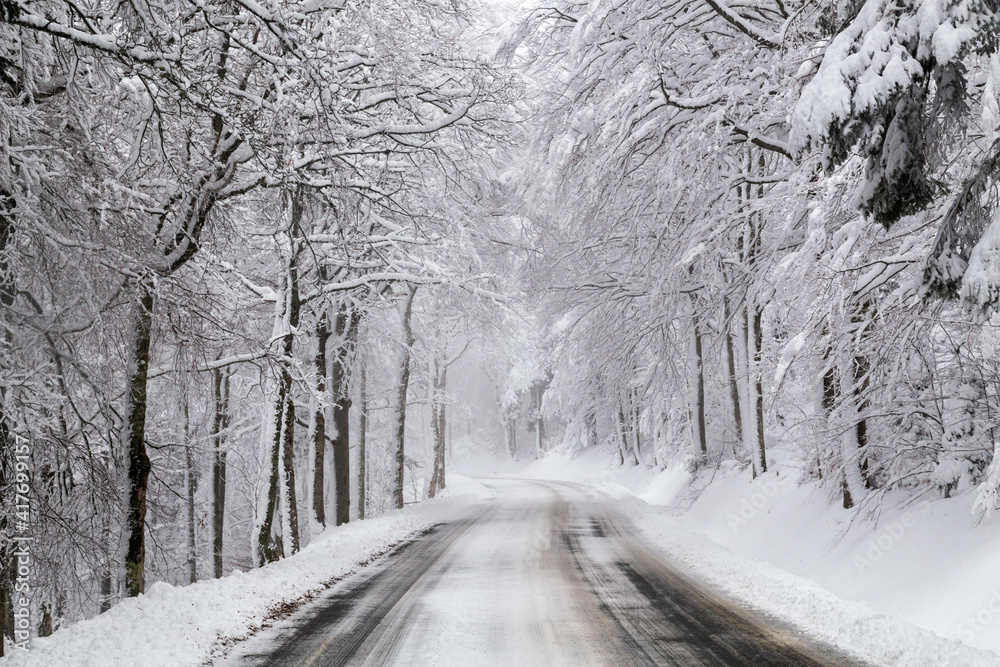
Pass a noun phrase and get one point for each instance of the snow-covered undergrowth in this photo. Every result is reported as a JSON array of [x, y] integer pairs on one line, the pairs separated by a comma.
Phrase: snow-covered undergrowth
[[909, 584], [175, 626]]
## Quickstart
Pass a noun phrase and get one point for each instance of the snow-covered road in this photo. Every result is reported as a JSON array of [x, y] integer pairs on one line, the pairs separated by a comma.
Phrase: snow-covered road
[[543, 575]]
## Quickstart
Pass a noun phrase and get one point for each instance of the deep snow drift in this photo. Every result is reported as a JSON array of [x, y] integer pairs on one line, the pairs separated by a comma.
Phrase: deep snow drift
[[177, 626], [909, 584]]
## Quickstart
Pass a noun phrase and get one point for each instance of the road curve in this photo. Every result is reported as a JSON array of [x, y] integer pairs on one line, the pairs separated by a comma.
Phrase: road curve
[[542, 575]]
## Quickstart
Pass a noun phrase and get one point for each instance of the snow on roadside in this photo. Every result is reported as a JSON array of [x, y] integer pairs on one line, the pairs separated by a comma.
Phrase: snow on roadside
[[176, 626], [851, 626]]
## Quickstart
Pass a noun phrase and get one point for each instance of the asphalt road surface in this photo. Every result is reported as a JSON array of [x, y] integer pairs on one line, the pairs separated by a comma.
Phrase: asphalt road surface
[[542, 575]]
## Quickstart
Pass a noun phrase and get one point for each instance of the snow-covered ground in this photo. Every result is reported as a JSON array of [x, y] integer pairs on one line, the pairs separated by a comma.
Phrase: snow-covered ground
[[919, 584], [187, 626]]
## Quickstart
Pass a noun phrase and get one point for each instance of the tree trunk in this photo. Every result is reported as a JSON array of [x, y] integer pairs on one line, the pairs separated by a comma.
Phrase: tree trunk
[[637, 423], [511, 427], [346, 329], [623, 436], [758, 375], [539, 421], [748, 414], [290, 508], [267, 542], [362, 442], [734, 385], [854, 486], [862, 367], [275, 539], [192, 489], [439, 371], [406, 307], [139, 465], [45, 625], [443, 428], [754, 245], [750, 340], [220, 392], [698, 418], [319, 423], [104, 603], [855, 440], [590, 423], [432, 486], [831, 395], [106, 584], [620, 439]]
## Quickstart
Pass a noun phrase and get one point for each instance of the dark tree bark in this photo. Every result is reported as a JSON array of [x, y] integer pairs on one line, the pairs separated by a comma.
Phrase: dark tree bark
[[220, 392], [758, 334], [106, 586], [319, 423], [362, 442], [406, 307], [862, 367], [277, 540], [274, 538], [856, 474], [269, 547], [45, 625], [192, 488], [734, 388], [139, 465], [288, 468], [756, 232], [831, 395], [346, 329], [342, 460], [698, 418], [701, 438]]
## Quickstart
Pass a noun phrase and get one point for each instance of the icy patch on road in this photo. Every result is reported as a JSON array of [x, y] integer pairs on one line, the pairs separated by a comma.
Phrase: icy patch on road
[[178, 626]]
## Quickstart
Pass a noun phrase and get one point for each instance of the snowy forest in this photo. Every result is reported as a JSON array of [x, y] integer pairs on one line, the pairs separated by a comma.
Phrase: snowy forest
[[268, 266]]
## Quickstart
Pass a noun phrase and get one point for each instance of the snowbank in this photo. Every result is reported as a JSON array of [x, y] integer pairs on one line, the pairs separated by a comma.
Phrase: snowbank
[[933, 563], [853, 626], [173, 626]]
